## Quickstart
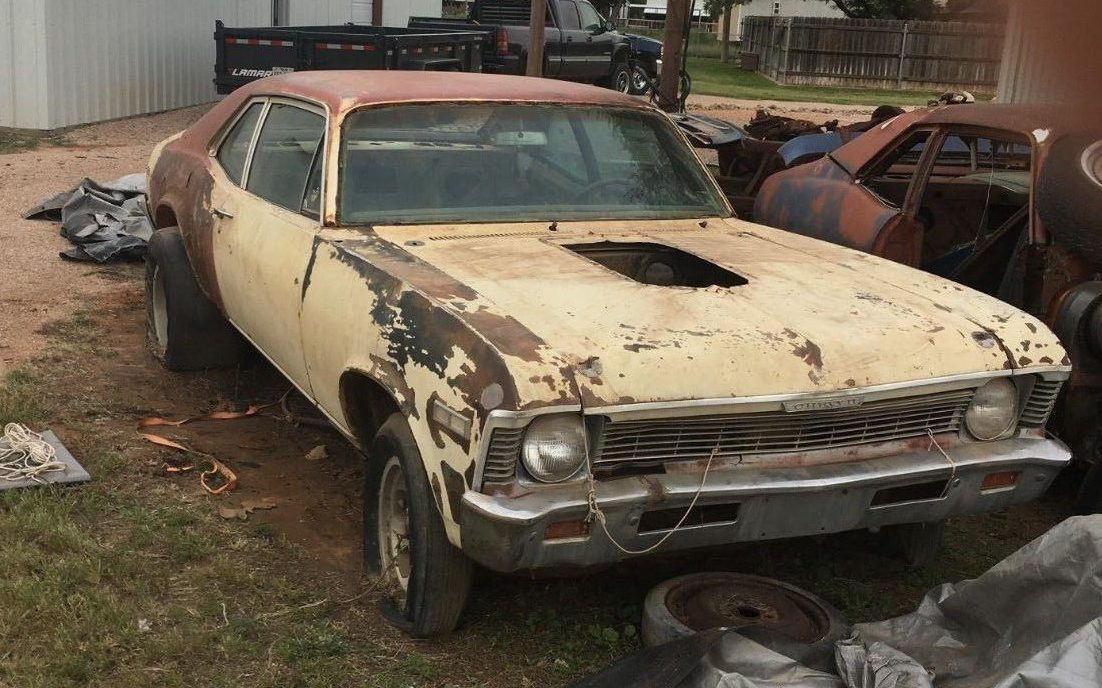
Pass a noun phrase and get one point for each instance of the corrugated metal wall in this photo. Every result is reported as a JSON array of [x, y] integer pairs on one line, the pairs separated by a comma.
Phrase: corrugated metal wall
[[1052, 53], [22, 63], [66, 62], [113, 58]]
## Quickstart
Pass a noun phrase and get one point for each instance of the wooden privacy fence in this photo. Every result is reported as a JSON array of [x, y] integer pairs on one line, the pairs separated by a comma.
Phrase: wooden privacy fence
[[875, 53]]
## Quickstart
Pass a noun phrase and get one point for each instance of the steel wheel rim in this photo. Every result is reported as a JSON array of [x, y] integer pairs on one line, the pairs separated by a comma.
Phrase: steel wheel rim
[[394, 545], [160, 311], [639, 82]]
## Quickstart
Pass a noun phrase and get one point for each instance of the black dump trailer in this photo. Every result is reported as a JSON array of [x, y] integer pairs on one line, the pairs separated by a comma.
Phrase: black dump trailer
[[248, 54]]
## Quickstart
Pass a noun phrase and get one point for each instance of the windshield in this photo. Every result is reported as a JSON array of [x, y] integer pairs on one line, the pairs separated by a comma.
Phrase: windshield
[[485, 163]]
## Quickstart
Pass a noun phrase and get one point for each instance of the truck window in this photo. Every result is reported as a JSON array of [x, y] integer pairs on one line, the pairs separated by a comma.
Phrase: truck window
[[285, 150], [590, 18], [235, 147], [568, 14], [411, 164]]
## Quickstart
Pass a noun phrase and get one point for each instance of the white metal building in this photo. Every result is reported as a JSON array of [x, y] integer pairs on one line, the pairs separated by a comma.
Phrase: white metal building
[[66, 62], [780, 8]]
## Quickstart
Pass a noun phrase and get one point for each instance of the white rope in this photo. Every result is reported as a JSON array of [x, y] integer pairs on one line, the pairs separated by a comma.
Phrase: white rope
[[952, 464], [24, 455], [596, 514]]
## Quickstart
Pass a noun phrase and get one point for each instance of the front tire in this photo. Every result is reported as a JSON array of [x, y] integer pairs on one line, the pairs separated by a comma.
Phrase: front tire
[[186, 331], [619, 79], [404, 536]]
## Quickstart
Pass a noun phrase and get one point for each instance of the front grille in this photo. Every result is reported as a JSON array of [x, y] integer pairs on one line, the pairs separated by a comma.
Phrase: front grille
[[1042, 399], [655, 441], [501, 458]]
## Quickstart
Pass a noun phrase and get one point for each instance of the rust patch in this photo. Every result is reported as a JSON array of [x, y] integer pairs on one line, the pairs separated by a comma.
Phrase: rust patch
[[810, 353], [1046, 359], [436, 492], [1032, 327], [655, 491], [1023, 361], [455, 486], [636, 348]]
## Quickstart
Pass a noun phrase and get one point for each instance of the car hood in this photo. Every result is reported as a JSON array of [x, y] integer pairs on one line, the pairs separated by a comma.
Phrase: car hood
[[811, 316]]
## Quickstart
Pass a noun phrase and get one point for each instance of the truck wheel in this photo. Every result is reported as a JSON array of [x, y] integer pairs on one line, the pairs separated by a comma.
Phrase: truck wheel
[[1068, 194], [619, 79], [404, 537], [640, 80], [916, 543], [185, 329]]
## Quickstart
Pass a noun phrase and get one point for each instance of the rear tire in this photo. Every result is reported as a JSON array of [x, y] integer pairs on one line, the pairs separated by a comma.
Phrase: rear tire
[[185, 329], [1069, 198], [404, 536]]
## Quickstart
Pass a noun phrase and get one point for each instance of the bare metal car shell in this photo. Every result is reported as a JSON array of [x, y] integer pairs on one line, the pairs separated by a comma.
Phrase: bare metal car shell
[[498, 323]]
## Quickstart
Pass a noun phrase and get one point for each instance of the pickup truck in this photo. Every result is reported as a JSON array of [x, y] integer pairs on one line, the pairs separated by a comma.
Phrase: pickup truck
[[531, 306], [580, 44], [251, 53]]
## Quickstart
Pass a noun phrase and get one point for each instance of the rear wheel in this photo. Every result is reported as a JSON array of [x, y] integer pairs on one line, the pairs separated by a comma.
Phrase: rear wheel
[[404, 536], [185, 329]]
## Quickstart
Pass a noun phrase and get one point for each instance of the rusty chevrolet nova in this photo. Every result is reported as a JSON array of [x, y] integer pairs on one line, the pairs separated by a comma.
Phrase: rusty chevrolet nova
[[532, 308]]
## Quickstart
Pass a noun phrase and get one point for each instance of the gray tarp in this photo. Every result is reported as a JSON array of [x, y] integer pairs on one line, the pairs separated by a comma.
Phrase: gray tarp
[[1034, 620], [104, 221]]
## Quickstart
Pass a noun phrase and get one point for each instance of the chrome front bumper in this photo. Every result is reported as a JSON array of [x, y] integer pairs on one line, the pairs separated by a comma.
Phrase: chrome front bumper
[[508, 533]]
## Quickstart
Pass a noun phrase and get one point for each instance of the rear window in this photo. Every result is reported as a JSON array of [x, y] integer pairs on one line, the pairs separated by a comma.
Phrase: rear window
[[484, 163]]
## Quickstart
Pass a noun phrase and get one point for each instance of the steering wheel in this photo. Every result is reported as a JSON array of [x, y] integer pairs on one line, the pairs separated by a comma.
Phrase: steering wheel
[[602, 185]]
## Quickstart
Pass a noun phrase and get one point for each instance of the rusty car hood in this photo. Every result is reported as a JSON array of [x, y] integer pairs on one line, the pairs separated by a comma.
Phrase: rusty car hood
[[811, 317]]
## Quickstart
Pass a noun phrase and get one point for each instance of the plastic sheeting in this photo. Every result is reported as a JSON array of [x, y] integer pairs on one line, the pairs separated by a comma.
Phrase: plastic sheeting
[[104, 221], [1033, 620]]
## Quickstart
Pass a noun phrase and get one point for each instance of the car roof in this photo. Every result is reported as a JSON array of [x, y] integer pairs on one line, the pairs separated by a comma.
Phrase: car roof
[[1025, 120], [344, 90]]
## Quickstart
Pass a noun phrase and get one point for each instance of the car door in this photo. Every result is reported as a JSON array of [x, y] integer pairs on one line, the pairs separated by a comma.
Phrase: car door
[[599, 41], [574, 47], [267, 218]]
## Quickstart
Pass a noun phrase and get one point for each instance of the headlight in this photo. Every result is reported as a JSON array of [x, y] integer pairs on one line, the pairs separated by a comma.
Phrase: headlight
[[554, 447], [993, 411]]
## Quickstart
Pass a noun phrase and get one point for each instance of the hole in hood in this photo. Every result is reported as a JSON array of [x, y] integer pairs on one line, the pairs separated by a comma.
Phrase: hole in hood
[[657, 264]]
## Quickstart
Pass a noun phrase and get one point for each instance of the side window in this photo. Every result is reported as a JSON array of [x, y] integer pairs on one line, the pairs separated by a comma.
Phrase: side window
[[285, 150], [235, 147], [568, 12], [591, 20], [975, 202], [891, 177]]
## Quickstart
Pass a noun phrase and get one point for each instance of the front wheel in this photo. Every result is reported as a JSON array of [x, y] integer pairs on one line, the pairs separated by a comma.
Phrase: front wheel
[[404, 537], [620, 78]]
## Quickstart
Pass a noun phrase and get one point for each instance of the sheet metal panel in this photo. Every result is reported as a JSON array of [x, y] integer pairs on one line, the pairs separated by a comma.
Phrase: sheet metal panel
[[115, 58], [22, 63]]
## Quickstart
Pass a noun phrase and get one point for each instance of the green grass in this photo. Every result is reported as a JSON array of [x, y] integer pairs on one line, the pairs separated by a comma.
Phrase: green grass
[[17, 140], [712, 77]]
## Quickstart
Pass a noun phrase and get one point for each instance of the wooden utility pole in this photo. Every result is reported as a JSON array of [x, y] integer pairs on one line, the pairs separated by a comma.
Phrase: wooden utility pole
[[535, 38], [677, 14], [725, 36]]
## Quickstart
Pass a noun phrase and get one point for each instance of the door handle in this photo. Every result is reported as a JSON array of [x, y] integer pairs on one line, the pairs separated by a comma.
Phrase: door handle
[[222, 213]]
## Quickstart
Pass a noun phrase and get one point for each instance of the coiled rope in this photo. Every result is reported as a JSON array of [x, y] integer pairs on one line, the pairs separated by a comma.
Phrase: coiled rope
[[24, 455]]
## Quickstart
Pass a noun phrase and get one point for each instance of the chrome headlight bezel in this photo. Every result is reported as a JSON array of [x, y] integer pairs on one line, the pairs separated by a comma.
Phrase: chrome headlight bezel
[[564, 429], [994, 410]]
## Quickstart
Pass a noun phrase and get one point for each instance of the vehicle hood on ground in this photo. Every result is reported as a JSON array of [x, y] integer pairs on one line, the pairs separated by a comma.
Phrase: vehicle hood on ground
[[809, 317]]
